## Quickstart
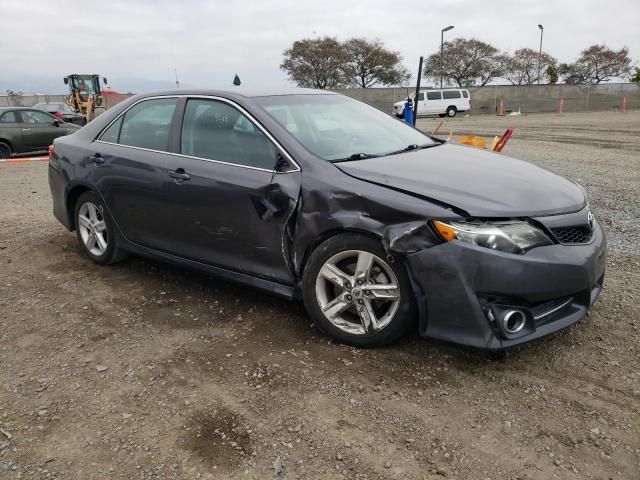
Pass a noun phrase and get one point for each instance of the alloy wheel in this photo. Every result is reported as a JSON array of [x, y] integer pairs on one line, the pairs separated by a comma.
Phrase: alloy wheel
[[357, 292], [93, 229]]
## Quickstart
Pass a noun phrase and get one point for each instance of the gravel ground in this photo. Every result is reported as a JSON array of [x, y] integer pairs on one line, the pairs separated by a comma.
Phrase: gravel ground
[[145, 371]]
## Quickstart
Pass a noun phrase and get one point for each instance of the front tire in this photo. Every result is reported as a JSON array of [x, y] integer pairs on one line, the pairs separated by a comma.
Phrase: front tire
[[95, 230], [356, 294], [5, 150]]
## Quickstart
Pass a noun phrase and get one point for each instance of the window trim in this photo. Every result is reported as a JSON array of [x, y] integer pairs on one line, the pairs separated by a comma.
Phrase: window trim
[[242, 110]]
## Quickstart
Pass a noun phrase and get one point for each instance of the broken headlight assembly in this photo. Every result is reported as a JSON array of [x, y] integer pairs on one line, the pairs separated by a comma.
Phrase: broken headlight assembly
[[510, 236]]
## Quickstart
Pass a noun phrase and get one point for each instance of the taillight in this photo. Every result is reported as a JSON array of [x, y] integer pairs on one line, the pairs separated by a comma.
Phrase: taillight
[[58, 114], [51, 150]]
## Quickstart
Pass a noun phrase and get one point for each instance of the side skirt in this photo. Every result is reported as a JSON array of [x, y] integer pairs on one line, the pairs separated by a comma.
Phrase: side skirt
[[287, 292]]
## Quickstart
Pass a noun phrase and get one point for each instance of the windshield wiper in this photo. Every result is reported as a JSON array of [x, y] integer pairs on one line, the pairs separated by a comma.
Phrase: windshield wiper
[[355, 156], [408, 148]]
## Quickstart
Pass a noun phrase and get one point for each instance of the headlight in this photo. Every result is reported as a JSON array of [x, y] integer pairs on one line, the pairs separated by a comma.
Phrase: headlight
[[511, 236]]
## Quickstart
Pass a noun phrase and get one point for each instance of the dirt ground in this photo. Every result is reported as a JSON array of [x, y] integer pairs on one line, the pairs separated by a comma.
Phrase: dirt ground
[[145, 371]]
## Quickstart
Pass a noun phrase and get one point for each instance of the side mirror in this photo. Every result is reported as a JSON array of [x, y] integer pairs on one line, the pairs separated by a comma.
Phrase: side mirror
[[282, 164], [66, 80], [56, 122], [104, 79]]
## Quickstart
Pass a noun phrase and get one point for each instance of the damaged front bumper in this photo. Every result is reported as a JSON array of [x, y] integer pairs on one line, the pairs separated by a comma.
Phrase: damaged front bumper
[[464, 291]]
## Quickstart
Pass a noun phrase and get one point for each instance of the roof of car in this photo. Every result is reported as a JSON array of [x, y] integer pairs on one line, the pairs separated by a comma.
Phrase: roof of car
[[2, 109], [246, 92]]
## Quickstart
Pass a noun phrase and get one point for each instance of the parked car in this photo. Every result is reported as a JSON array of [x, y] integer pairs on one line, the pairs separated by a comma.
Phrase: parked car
[[314, 195], [443, 103], [24, 130], [63, 112]]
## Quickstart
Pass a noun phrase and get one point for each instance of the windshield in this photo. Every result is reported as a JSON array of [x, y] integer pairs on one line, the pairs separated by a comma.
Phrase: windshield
[[86, 84], [335, 127]]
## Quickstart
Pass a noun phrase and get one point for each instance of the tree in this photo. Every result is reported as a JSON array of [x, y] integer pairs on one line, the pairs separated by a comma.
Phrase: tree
[[635, 78], [370, 63], [522, 67], [466, 62], [596, 64], [15, 98], [552, 74], [316, 63]]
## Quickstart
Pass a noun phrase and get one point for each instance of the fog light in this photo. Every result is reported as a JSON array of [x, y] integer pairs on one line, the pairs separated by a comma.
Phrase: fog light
[[513, 321]]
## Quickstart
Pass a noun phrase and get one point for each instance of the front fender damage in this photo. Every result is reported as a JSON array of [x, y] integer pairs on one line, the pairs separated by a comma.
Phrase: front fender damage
[[318, 216]]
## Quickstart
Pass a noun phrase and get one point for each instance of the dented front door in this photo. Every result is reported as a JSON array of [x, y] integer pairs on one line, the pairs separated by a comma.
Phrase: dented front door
[[231, 216]]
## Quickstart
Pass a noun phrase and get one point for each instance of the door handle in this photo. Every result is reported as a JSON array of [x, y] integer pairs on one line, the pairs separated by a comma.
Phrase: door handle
[[97, 159], [179, 174]]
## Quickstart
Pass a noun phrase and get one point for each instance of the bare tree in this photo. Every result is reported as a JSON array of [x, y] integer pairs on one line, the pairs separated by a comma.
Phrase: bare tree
[[370, 63], [466, 62], [522, 67], [316, 63], [15, 98], [596, 64]]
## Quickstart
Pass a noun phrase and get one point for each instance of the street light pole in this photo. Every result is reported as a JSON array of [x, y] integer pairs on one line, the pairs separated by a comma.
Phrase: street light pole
[[442, 52], [540, 51]]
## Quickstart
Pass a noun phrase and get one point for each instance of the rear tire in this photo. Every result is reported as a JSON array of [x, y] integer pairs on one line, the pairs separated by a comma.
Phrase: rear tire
[[355, 294], [451, 111], [95, 230], [5, 150]]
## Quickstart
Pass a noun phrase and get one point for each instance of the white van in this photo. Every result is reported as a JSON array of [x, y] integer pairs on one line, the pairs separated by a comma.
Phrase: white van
[[445, 102]]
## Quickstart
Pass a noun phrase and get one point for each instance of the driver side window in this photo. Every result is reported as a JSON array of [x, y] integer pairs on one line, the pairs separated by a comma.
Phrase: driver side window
[[215, 130], [32, 116]]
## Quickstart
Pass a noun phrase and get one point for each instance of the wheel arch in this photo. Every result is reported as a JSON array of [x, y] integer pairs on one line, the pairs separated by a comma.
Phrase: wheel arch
[[324, 236], [72, 197]]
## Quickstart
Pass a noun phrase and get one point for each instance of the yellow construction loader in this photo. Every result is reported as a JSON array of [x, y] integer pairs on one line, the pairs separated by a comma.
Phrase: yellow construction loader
[[85, 95]]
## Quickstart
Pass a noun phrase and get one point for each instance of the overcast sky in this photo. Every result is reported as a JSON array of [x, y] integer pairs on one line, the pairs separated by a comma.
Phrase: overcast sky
[[137, 44]]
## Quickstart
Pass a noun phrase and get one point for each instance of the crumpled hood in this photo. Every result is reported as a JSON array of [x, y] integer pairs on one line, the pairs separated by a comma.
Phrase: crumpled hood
[[482, 183]]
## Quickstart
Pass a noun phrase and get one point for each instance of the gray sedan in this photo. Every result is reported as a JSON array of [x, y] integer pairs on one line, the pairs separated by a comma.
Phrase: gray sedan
[[25, 130], [311, 195], [63, 112]]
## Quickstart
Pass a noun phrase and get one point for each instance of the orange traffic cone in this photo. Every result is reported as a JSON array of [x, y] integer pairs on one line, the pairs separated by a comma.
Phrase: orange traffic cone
[[501, 109], [624, 104], [561, 109]]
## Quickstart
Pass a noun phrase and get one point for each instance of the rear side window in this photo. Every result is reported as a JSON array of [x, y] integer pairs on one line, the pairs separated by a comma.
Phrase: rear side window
[[449, 94], [465, 94], [434, 96], [147, 124], [8, 117], [217, 131], [112, 134]]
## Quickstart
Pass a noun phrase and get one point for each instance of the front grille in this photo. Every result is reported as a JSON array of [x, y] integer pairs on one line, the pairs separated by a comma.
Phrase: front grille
[[580, 234]]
